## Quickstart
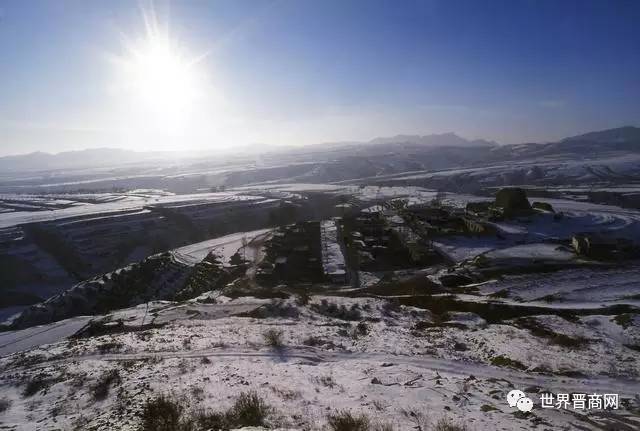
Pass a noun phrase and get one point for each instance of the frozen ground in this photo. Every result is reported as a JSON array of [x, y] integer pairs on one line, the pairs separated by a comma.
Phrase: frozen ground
[[363, 193], [572, 287], [393, 367], [225, 247], [112, 203]]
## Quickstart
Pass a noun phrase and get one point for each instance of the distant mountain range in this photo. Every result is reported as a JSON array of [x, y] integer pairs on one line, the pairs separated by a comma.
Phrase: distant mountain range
[[381, 156], [626, 134], [89, 158], [435, 140]]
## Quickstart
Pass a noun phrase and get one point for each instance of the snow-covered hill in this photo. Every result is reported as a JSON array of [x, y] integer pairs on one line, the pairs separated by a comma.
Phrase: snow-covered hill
[[400, 367]]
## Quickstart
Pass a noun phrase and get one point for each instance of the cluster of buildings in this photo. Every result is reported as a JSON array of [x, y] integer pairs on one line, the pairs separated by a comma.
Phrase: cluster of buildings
[[599, 247], [293, 254]]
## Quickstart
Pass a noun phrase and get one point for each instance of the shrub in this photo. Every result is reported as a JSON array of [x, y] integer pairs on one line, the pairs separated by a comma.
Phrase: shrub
[[197, 393], [339, 312], [24, 360], [273, 338], [211, 421], [303, 298], [166, 414], [101, 388], [38, 383], [460, 347], [183, 367], [249, 410], [391, 306], [448, 425], [319, 341], [362, 328], [276, 308], [286, 394], [109, 347], [326, 381], [569, 342], [4, 404], [625, 320], [635, 347], [504, 361], [540, 330], [163, 414], [345, 421], [313, 341]]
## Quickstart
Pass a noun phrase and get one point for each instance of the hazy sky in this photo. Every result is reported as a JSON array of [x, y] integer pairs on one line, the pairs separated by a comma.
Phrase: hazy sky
[[212, 74]]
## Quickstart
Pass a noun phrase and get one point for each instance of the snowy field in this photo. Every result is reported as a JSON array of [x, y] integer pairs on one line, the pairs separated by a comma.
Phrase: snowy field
[[572, 287], [113, 203], [397, 364], [392, 368], [545, 170]]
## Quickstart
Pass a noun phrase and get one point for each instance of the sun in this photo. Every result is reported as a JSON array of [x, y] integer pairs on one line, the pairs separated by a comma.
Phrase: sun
[[160, 78]]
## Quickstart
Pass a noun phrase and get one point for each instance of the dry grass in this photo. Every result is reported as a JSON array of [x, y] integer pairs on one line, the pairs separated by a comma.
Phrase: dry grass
[[167, 414], [445, 424], [100, 390], [504, 361], [39, 383], [331, 309], [164, 414], [326, 381], [346, 421], [539, 330], [273, 338]]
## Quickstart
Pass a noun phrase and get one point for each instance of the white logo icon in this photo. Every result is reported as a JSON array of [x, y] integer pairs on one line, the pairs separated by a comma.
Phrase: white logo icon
[[525, 404], [517, 398], [514, 396]]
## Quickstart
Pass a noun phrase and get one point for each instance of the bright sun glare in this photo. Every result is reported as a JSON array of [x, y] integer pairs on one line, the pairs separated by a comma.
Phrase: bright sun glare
[[159, 77]]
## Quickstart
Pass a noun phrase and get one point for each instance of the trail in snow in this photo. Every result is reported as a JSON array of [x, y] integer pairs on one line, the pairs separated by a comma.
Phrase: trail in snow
[[599, 384]]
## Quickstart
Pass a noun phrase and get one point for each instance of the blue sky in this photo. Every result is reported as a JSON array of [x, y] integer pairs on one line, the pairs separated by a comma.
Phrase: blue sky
[[295, 72]]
